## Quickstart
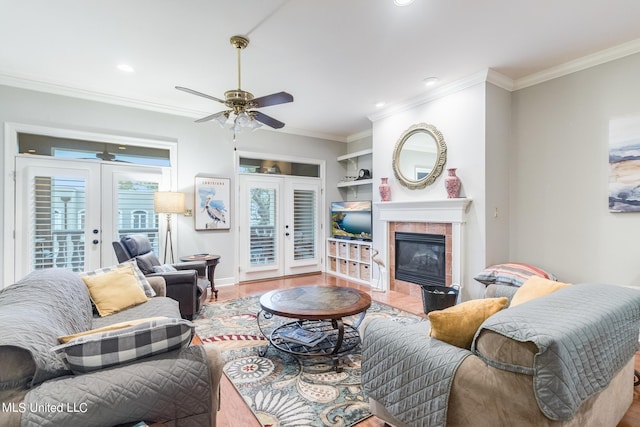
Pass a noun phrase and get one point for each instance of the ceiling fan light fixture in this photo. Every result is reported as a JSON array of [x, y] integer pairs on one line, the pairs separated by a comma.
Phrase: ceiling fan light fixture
[[241, 103], [222, 119], [402, 2]]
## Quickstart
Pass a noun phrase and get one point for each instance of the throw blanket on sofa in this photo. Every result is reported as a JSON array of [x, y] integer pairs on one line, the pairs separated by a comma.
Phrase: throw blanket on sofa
[[37, 310], [571, 366], [413, 380]]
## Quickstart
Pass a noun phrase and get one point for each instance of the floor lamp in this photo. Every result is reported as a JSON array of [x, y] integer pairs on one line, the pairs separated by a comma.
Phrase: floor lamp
[[168, 202]]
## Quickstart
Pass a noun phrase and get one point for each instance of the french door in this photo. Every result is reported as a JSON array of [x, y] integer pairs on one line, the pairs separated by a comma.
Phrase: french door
[[280, 220], [68, 212]]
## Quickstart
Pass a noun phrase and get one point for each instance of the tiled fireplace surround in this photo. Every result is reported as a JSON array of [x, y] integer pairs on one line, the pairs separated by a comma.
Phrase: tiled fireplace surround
[[422, 228], [442, 217]]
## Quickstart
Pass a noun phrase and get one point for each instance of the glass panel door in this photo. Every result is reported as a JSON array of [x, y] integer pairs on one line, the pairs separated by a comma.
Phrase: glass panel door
[[279, 226], [57, 211], [68, 212], [302, 225], [127, 193], [260, 219]]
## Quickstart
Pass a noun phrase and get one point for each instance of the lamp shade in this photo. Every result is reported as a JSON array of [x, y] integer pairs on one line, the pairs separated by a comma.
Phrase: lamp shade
[[168, 202]]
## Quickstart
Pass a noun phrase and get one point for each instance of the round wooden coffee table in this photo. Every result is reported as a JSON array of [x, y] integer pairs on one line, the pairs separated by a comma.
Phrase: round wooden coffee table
[[319, 329]]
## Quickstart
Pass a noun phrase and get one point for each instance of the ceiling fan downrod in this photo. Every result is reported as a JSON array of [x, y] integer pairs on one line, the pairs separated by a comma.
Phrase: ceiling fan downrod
[[239, 42]]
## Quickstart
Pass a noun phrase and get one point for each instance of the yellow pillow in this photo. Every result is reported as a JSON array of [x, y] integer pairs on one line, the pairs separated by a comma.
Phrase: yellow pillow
[[65, 339], [114, 290], [458, 324], [535, 287]]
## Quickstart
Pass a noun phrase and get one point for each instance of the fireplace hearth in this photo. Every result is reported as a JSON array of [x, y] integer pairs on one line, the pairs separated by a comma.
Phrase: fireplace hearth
[[420, 258]]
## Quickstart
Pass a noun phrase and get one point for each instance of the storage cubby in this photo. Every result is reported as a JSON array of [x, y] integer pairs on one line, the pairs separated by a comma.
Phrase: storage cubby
[[350, 259]]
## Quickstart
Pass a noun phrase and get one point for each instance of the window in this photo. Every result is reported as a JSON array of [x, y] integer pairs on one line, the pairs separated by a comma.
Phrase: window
[[138, 219]]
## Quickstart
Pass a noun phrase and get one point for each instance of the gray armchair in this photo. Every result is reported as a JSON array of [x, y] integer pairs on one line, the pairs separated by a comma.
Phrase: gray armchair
[[187, 285]]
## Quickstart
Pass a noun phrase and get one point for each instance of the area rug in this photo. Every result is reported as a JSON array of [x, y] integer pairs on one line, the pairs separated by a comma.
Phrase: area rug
[[281, 389]]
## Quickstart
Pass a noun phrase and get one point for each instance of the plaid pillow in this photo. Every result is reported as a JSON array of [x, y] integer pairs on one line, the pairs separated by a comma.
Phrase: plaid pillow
[[164, 268], [142, 280], [514, 274], [97, 351]]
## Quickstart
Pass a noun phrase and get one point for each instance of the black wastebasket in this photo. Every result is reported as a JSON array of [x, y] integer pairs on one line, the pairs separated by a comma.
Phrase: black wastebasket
[[438, 297]]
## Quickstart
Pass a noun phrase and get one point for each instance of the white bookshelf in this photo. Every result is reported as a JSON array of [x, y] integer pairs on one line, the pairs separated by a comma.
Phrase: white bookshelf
[[350, 259]]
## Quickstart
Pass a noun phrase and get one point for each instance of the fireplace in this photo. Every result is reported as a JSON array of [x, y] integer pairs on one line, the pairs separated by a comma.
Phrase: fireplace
[[420, 258], [442, 217]]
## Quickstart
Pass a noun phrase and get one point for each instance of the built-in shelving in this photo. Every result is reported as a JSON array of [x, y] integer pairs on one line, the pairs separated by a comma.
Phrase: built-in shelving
[[354, 162], [354, 183], [350, 259]]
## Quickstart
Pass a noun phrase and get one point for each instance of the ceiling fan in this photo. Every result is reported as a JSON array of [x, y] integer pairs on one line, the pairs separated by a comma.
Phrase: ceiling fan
[[241, 103]]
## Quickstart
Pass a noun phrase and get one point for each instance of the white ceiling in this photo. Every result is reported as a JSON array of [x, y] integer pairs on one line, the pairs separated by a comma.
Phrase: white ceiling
[[338, 58]]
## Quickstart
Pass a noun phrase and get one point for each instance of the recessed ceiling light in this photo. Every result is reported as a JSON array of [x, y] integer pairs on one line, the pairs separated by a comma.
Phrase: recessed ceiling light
[[380, 104], [126, 68], [430, 81], [402, 2]]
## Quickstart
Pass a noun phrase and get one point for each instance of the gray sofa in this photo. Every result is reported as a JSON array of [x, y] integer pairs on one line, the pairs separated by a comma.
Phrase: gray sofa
[[37, 388], [564, 359]]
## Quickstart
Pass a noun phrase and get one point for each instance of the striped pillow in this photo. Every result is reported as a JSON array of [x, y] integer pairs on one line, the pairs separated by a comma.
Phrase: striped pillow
[[514, 274], [140, 277], [101, 350]]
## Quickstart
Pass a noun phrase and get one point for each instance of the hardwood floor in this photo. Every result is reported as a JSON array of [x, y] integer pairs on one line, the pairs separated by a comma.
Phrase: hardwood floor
[[235, 413]]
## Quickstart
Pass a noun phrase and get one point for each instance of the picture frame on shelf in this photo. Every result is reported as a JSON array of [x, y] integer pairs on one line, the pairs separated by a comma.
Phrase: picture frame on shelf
[[212, 203]]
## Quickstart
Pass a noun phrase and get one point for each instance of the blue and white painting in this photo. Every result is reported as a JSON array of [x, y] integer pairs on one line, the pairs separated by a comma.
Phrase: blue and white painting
[[212, 203], [624, 163]]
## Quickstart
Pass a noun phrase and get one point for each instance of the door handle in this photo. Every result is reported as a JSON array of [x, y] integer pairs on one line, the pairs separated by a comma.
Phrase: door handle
[[95, 241]]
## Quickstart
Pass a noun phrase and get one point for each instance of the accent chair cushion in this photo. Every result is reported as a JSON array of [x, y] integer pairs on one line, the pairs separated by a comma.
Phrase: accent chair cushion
[[113, 289], [457, 325], [164, 268], [102, 350], [136, 244], [535, 287], [513, 273], [147, 261]]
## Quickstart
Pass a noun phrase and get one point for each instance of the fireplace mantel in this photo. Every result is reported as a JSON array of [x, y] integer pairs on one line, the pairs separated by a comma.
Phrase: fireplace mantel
[[445, 210]]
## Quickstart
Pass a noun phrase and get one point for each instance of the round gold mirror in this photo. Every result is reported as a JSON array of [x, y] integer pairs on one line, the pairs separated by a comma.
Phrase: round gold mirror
[[419, 156]]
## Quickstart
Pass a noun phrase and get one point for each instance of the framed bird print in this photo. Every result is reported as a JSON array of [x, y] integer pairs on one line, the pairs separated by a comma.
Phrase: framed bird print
[[211, 204]]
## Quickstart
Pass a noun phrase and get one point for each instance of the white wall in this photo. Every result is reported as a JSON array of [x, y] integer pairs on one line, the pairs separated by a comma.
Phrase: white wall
[[559, 176], [202, 149], [460, 117]]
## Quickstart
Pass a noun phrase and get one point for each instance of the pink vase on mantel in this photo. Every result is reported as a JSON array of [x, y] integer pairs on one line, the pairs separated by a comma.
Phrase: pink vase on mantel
[[452, 184], [385, 189]]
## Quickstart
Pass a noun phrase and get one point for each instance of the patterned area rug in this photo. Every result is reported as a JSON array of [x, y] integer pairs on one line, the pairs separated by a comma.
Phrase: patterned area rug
[[281, 389]]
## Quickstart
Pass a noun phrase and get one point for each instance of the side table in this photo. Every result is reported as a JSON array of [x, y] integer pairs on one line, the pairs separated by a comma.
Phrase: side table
[[211, 261]]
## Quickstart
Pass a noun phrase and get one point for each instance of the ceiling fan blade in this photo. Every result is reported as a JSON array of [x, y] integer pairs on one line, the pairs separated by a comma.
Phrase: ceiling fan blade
[[212, 116], [195, 92], [273, 99], [267, 120]]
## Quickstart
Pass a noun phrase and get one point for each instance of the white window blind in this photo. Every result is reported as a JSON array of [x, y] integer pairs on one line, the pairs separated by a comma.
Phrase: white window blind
[[304, 224], [263, 223], [57, 236]]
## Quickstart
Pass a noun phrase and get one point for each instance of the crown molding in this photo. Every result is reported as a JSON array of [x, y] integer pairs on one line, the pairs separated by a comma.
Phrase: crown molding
[[359, 135], [500, 80], [579, 64], [310, 134], [62, 89], [432, 95]]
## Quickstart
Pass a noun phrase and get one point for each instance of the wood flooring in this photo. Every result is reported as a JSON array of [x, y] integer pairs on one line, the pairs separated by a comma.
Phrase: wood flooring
[[235, 413]]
